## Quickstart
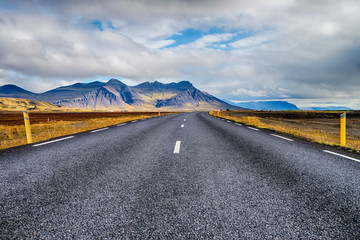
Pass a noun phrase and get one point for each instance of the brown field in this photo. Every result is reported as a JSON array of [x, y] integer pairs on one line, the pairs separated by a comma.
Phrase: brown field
[[46, 125], [317, 126]]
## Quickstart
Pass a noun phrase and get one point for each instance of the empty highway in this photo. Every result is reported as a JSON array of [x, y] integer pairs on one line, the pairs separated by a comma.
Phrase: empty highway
[[184, 176]]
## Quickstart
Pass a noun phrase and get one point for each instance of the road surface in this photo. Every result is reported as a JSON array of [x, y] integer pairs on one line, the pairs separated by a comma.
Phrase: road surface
[[184, 176]]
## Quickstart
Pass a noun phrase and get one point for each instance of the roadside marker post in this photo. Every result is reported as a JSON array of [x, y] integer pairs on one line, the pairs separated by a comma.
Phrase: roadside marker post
[[218, 113], [343, 129], [159, 113], [27, 127]]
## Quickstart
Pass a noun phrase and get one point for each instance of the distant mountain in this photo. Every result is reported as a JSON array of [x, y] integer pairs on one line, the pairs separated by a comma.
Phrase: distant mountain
[[329, 108], [13, 91], [268, 105], [115, 95]]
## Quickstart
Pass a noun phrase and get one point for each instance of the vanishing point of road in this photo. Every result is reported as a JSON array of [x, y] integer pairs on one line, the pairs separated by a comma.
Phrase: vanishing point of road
[[183, 176]]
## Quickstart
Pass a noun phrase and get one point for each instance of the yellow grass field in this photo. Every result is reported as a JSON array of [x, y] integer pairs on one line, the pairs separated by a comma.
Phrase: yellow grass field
[[320, 127], [50, 125], [19, 104]]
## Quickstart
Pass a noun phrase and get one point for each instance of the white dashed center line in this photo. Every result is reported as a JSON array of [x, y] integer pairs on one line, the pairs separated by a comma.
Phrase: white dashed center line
[[184, 120], [177, 147], [253, 128], [182, 125], [56, 140], [340, 155], [98, 130], [288, 139]]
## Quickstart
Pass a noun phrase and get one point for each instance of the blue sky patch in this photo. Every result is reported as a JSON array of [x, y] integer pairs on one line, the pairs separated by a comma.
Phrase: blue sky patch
[[191, 35], [184, 37], [102, 25], [97, 24]]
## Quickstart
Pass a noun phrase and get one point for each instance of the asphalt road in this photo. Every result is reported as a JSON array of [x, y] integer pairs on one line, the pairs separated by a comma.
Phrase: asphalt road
[[185, 176]]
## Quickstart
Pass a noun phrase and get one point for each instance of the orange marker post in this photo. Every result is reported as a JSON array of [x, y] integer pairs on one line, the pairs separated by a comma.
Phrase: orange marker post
[[343, 129], [27, 127]]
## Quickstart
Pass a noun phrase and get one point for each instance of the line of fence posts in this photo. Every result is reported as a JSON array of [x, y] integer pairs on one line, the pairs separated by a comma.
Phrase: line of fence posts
[[342, 127]]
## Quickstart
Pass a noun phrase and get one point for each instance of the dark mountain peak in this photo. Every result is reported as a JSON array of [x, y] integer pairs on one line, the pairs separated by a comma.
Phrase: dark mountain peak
[[114, 81], [116, 85], [185, 84], [80, 86], [94, 83], [182, 86], [157, 84], [143, 85], [10, 88]]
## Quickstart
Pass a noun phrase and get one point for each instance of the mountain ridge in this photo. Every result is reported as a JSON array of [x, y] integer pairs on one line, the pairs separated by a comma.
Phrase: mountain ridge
[[268, 105], [116, 95]]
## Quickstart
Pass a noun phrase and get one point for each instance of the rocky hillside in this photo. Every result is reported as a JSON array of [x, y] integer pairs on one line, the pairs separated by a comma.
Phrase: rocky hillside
[[115, 95]]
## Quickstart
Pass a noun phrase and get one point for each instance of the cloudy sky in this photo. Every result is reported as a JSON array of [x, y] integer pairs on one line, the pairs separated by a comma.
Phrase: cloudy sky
[[306, 52]]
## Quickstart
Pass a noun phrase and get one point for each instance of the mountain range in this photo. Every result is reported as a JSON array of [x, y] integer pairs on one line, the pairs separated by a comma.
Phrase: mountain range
[[115, 95], [284, 106], [268, 105], [329, 108]]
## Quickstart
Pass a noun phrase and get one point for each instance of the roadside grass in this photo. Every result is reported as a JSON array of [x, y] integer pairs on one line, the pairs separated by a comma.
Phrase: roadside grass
[[11, 136], [324, 131]]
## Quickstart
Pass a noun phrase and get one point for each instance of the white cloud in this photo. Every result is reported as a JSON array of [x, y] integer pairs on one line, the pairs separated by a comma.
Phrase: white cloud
[[250, 93], [208, 40], [250, 42], [297, 49]]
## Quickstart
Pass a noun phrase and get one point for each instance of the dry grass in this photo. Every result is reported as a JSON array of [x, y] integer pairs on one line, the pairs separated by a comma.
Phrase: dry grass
[[19, 104], [321, 130], [14, 135]]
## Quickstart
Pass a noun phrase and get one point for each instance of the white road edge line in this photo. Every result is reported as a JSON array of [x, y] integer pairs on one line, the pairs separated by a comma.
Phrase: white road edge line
[[337, 154], [122, 124], [134, 121], [288, 139], [177, 147], [238, 124], [56, 140], [253, 128], [228, 121], [98, 130], [182, 125]]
